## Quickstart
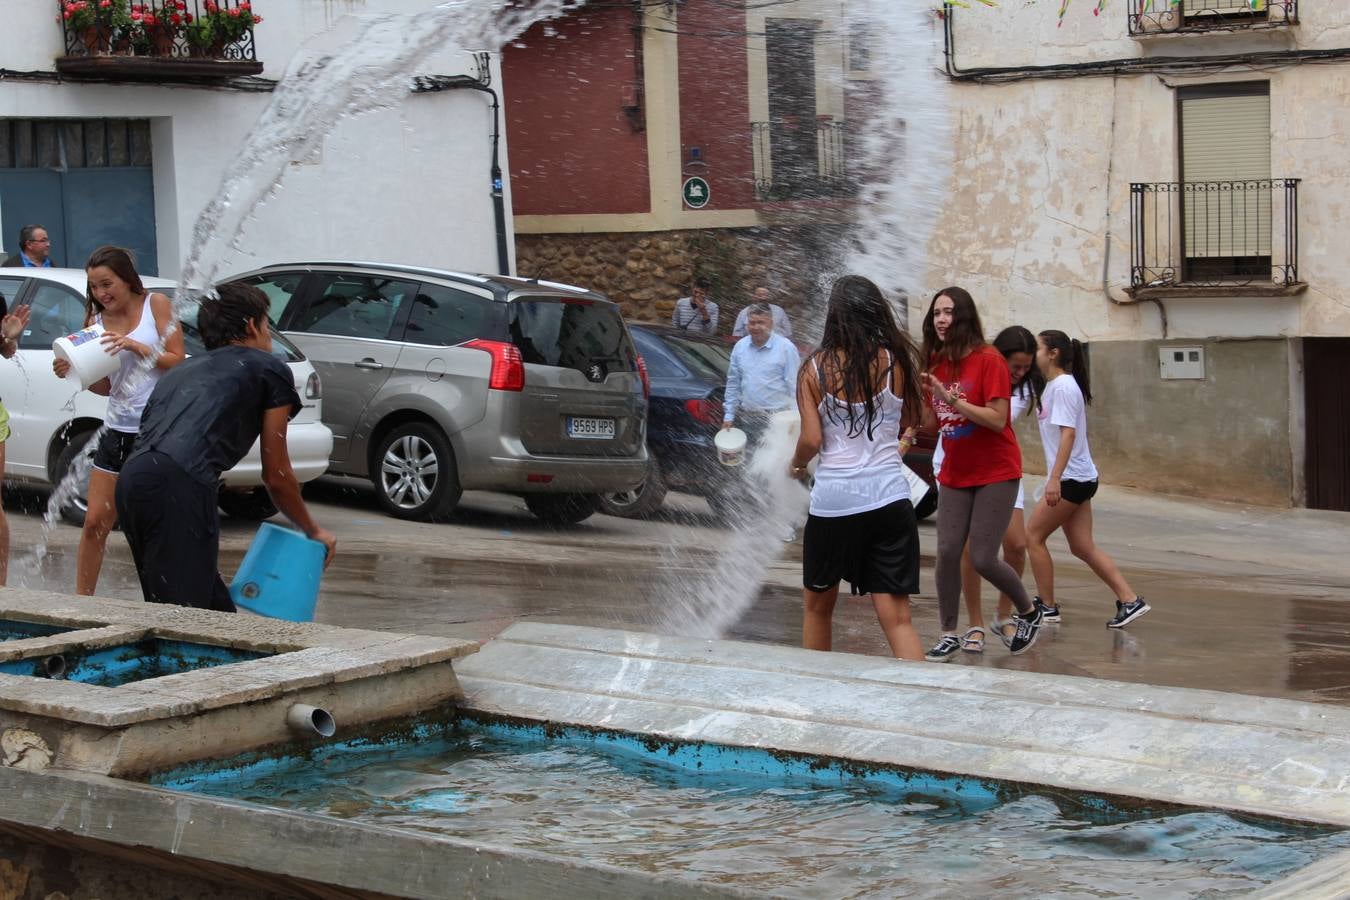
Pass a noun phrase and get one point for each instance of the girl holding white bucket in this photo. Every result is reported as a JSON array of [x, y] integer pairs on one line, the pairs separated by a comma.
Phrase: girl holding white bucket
[[11, 326], [854, 394], [125, 325]]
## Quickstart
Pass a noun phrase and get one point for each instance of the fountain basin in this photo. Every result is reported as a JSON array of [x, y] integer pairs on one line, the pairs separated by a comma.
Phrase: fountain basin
[[19, 630]]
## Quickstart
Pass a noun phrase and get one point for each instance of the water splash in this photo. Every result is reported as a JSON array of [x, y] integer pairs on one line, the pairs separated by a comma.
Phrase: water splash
[[903, 156]]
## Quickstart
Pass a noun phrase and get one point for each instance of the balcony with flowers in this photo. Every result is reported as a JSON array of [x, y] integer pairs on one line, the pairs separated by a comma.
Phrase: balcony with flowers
[[158, 40]]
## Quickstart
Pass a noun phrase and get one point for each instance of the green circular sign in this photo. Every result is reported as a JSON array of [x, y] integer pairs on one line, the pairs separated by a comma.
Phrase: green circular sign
[[696, 193]]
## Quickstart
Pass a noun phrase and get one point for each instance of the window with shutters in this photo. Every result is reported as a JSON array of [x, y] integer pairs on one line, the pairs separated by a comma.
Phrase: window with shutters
[[1225, 176], [1228, 221], [1148, 17]]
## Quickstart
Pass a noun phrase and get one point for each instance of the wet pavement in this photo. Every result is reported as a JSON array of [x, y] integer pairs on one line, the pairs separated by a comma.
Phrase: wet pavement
[[1245, 599]]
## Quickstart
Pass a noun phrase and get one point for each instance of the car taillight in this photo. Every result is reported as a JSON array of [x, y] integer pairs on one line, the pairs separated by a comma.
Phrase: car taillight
[[709, 412], [313, 387], [646, 382], [508, 368]]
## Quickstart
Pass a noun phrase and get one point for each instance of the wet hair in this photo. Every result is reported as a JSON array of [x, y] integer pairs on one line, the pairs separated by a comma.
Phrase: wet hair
[[702, 282], [758, 309], [27, 234], [964, 335], [225, 320], [1072, 358], [859, 324], [123, 265], [1016, 339]]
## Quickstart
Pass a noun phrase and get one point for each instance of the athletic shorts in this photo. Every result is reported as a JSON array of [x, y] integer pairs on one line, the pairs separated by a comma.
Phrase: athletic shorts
[[4, 424], [112, 451], [1021, 501], [1077, 491], [876, 551]]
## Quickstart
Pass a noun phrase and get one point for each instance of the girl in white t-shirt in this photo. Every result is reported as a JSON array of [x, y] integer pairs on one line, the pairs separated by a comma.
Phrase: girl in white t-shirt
[[1071, 480]]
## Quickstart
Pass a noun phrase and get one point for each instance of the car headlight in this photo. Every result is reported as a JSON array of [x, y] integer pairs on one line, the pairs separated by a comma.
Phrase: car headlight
[[313, 387]]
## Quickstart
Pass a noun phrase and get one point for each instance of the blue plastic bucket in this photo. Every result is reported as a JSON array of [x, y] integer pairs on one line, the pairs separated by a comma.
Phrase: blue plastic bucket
[[280, 575]]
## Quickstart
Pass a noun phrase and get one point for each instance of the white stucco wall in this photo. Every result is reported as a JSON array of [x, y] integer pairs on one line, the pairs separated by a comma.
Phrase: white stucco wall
[[1042, 170], [410, 184]]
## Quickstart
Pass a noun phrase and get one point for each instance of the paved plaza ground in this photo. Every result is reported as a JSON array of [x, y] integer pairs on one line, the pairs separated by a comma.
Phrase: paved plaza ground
[[1246, 599]]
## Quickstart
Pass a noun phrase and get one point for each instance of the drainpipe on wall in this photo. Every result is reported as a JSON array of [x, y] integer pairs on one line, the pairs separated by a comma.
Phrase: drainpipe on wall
[[430, 84]]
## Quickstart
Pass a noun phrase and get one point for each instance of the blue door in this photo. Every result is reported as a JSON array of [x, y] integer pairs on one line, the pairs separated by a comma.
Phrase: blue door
[[88, 182]]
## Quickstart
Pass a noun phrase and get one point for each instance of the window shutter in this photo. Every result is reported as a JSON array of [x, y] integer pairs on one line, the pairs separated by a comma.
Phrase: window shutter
[[1225, 157]]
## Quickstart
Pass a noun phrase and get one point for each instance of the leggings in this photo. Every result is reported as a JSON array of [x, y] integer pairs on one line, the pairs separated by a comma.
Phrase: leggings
[[980, 514]]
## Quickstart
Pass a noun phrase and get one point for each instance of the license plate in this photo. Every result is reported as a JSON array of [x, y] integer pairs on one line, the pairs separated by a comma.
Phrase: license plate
[[590, 429]]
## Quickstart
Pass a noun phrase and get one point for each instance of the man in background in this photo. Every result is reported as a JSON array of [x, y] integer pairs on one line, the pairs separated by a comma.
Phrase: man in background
[[781, 325], [696, 313], [35, 249]]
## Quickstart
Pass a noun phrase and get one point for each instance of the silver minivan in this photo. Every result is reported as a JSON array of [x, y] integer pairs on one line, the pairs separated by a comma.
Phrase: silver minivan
[[436, 382]]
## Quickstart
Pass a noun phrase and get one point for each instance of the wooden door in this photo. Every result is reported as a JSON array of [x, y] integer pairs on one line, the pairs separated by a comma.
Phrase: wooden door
[[1326, 373]]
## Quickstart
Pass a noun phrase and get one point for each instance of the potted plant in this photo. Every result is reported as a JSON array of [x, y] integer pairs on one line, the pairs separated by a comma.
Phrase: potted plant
[[228, 23], [92, 21], [157, 30]]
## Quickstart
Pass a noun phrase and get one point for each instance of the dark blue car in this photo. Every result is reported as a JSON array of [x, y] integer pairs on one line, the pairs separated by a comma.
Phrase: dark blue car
[[688, 375]]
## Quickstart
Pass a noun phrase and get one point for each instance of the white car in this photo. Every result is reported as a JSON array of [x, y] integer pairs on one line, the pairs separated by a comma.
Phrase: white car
[[51, 419]]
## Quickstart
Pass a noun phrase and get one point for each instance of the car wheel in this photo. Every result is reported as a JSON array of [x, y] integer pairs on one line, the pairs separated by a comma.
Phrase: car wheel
[[415, 476], [74, 498], [640, 501], [562, 509], [253, 506], [928, 505]]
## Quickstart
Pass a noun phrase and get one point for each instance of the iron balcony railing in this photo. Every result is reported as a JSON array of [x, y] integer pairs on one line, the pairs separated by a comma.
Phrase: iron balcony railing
[[1164, 16], [798, 161], [164, 29], [1212, 233]]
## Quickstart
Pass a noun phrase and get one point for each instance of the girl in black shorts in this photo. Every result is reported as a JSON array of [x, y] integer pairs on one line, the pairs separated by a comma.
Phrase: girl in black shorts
[[855, 394], [137, 326], [1071, 480]]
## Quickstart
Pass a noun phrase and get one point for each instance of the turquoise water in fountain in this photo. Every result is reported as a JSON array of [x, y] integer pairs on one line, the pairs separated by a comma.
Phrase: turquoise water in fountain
[[763, 821], [18, 630], [125, 663]]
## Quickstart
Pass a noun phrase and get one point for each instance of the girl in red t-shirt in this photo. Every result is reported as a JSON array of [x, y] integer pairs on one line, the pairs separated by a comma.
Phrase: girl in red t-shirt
[[968, 388]]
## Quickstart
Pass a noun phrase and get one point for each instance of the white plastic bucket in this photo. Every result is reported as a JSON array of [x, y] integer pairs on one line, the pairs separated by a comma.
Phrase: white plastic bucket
[[730, 446], [89, 359]]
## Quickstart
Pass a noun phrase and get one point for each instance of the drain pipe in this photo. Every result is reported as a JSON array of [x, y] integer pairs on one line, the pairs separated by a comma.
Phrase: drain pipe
[[310, 721], [429, 84], [54, 666]]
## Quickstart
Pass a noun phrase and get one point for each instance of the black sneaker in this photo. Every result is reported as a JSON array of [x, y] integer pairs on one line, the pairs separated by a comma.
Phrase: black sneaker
[[1128, 612], [1028, 627], [1049, 614], [944, 649]]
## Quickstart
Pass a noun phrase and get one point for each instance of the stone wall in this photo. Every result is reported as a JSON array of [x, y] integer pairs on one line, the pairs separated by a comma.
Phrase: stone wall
[[647, 272]]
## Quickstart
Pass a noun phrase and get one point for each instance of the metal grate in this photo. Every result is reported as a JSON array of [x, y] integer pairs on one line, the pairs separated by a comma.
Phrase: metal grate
[[1165, 16], [1214, 233], [74, 143]]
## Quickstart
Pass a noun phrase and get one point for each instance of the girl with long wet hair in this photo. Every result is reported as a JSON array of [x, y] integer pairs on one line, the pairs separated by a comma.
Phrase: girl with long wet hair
[[137, 326], [855, 393], [1070, 481], [969, 386], [1018, 346]]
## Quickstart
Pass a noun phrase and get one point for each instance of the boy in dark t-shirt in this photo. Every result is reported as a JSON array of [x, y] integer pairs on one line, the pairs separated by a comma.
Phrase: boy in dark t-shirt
[[201, 419]]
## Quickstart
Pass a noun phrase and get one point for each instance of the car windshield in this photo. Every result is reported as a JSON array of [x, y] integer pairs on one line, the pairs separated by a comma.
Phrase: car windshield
[[706, 358], [282, 349], [570, 333]]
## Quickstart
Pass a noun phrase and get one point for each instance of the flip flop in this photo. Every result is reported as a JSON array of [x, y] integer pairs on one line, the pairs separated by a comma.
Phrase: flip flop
[[973, 640]]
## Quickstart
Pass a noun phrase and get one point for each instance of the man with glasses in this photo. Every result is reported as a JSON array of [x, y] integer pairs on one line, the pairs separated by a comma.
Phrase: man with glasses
[[35, 249]]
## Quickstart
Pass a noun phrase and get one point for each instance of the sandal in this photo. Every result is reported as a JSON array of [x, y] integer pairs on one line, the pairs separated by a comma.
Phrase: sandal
[[973, 640], [1001, 627]]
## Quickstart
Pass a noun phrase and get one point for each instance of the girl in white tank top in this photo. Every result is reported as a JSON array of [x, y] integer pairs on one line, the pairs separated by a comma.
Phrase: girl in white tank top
[[139, 327], [854, 395]]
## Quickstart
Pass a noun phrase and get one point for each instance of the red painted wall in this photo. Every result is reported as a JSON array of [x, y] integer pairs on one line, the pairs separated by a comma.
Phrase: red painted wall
[[571, 146], [714, 102]]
